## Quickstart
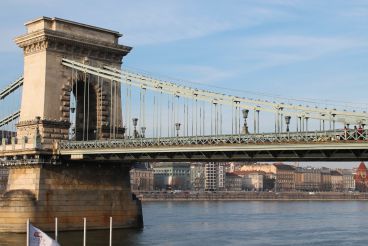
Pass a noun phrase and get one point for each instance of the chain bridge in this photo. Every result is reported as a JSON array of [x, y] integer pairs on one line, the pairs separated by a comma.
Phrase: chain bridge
[[75, 120]]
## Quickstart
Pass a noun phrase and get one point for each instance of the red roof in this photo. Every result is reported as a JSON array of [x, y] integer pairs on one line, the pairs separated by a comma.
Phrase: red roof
[[362, 167]]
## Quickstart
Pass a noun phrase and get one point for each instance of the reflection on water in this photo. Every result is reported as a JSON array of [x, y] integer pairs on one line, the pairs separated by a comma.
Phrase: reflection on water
[[234, 223]]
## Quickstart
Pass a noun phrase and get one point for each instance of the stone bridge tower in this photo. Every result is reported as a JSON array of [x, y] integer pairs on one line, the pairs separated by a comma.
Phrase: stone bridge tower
[[50, 89], [39, 188]]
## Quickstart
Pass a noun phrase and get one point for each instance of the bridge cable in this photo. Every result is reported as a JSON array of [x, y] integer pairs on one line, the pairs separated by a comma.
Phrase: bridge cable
[[88, 103], [77, 105], [117, 118], [84, 105], [111, 118]]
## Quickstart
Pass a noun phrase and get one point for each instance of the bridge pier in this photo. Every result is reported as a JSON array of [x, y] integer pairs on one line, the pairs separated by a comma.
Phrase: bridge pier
[[69, 192]]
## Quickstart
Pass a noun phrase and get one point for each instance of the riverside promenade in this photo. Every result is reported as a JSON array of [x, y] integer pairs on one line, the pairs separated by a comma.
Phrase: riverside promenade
[[251, 196]]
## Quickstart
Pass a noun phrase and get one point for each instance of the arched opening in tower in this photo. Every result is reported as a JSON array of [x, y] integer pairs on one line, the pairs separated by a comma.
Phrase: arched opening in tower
[[83, 111]]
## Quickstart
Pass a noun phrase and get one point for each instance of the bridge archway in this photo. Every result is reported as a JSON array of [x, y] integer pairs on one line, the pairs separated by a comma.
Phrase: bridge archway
[[83, 110]]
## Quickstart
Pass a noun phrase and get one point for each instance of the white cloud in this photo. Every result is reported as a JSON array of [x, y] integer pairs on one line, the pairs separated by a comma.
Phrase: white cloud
[[172, 21], [275, 50]]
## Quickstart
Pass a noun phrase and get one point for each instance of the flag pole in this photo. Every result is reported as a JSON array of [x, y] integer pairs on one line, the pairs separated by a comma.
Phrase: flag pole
[[27, 232], [110, 231], [56, 229], [84, 231]]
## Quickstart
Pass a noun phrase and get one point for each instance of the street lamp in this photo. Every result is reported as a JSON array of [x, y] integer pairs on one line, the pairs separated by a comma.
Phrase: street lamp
[[287, 121], [333, 120], [135, 122], [143, 130], [245, 116], [177, 127]]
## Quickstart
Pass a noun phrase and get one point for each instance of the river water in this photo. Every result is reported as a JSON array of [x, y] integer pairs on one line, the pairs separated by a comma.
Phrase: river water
[[235, 223]]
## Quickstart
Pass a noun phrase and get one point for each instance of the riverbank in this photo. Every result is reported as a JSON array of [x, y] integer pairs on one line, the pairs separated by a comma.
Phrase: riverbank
[[253, 196]]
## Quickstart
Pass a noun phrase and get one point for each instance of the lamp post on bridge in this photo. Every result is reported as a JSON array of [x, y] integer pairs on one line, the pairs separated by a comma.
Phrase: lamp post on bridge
[[333, 121], [135, 132], [177, 127], [143, 131], [287, 121], [245, 116]]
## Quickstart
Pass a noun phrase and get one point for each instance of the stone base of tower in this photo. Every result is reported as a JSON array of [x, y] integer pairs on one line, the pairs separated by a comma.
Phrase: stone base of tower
[[70, 193]]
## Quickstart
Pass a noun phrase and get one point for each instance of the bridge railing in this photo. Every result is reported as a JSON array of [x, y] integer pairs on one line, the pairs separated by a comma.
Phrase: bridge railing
[[290, 137]]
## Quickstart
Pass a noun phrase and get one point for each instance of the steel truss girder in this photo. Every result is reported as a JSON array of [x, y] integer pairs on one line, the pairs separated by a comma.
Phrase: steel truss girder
[[222, 140], [256, 156], [317, 146]]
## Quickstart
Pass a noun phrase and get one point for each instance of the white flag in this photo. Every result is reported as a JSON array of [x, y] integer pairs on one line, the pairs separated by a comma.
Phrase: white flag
[[39, 238]]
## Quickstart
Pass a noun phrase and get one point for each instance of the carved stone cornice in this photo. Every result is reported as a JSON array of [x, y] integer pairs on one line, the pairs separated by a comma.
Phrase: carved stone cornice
[[71, 44], [53, 123]]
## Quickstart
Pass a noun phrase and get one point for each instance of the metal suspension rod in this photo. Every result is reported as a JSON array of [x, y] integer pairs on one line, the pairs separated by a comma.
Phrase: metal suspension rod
[[221, 119], [76, 105], [115, 109], [196, 117], [257, 121], [232, 119], [172, 126], [153, 117], [200, 120], [204, 119], [160, 108], [130, 111], [184, 118], [239, 131], [236, 118], [192, 116], [71, 106], [111, 110], [99, 127], [84, 104], [225, 99], [88, 81], [211, 120], [168, 116]]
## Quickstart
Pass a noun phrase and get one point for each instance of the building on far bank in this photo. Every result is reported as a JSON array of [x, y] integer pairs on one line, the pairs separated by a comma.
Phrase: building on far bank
[[326, 179], [348, 182], [214, 176], [336, 181], [285, 177], [361, 178], [251, 180], [171, 175], [308, 179], [141, 178], [197, 176], [233, 182], [284, 174]]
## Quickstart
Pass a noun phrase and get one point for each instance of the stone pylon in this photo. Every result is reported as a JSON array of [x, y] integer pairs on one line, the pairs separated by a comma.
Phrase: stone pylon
[[39, 188], [50, 89]]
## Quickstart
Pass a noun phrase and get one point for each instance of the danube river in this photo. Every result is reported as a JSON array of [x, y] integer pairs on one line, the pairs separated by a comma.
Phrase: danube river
[[235, 223]]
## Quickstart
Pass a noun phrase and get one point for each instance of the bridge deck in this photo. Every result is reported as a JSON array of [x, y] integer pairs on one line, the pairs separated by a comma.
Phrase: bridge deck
[[316, 146]]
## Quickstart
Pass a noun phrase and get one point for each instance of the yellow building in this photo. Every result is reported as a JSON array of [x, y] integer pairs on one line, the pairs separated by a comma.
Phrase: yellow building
[[285, 174]]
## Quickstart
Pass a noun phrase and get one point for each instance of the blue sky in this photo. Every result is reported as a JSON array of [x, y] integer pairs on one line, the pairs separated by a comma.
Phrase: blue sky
[[291, 48], [298, 49]]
